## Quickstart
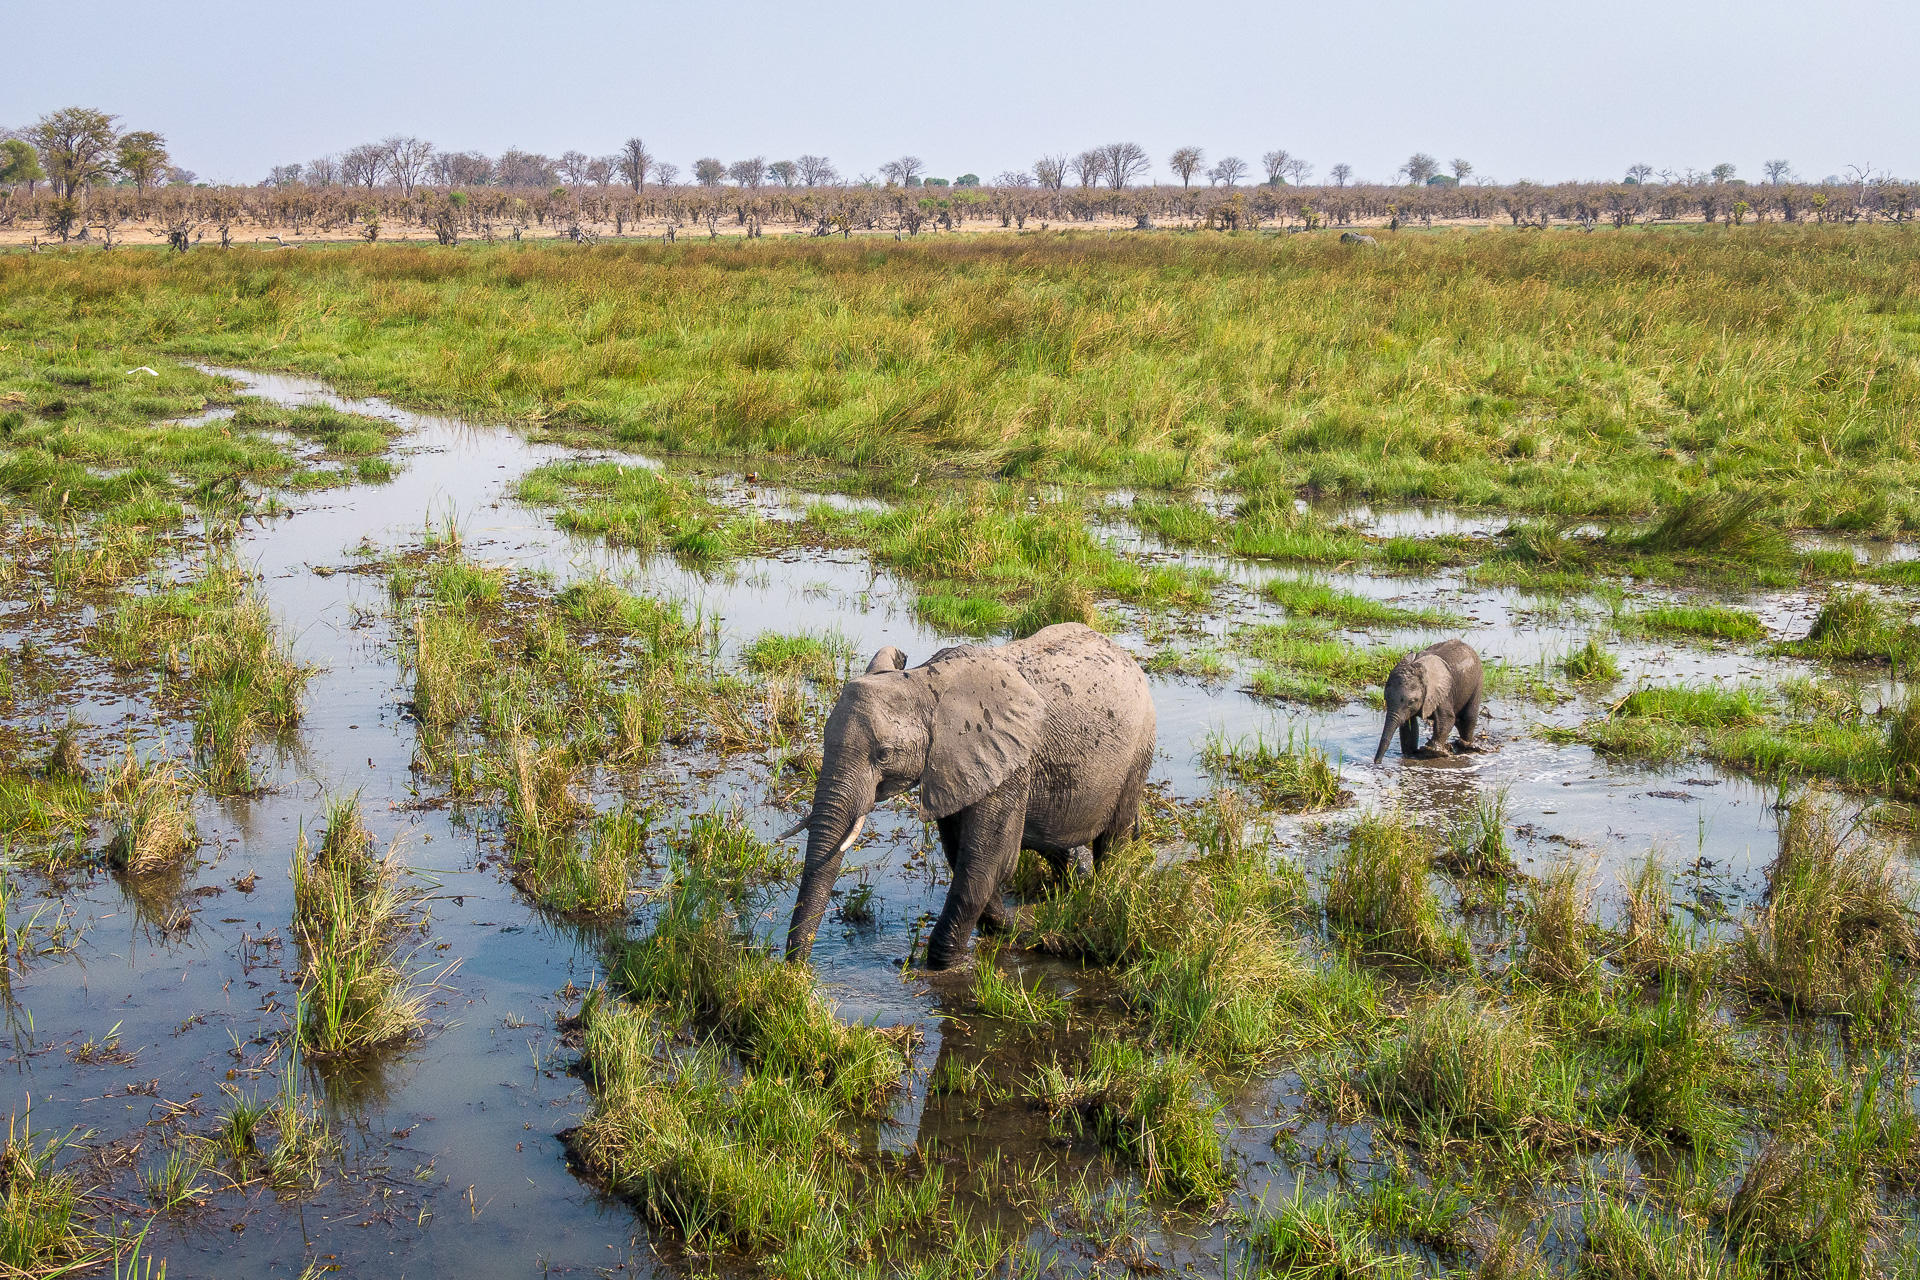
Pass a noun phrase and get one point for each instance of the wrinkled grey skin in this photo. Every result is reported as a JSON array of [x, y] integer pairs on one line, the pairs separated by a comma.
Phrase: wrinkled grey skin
[[1439, 684], [1043, 743]]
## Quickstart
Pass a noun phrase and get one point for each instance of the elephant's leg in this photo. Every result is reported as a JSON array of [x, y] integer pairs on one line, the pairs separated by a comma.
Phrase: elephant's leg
[[993, 918], [1469, 721], [1442, 732], [989, 838], [1410, 736], [1126, 814]]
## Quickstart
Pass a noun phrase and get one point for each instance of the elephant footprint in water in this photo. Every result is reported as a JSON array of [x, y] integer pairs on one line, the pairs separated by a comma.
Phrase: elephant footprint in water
[[1043, 743], [1441, 685]]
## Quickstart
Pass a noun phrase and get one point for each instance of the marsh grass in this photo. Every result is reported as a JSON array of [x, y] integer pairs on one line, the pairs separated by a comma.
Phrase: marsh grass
[[594, 879], [1293, 777], [1476, 845], [1703, 621], [1854, 625], [448, 657], [1321, 1237], [1202, 950], [698, 965], [339, 433], [819, 658], [1302, 597], [1652, 944], [1556, 950], [992, 559], [283, 1142], [1153, 1113], [1837, 933], [1734, 526], [642, 508], [218, 638], [1002, 995], [1301, 662], [150, 808], [1380, 895], [1591, 663], [1792, 731], [1463, 1070], [351, 910], [44, 1223], [1679, 1068], [758, 1163], [1628, 1242]]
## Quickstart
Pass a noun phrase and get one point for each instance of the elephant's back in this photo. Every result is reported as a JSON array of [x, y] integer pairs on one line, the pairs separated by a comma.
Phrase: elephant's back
[[1462, 661], [1090, 684]]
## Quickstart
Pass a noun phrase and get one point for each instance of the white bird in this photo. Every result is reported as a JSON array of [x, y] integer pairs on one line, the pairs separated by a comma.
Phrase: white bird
[[142, 369]]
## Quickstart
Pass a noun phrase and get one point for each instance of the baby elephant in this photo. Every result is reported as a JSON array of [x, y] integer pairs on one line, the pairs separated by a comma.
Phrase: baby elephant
[[1441, 683]]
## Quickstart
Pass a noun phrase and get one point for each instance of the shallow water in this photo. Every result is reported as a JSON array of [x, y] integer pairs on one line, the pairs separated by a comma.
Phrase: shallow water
[[454, 1164]]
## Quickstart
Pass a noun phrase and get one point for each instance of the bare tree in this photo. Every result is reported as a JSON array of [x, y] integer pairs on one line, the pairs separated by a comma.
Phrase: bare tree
[[1050, 172], [283, 175], [1778, 171], [708, 171], [75, 145], [462, 169], [1124, 162], [362, 166], [664, 172], [1462, 169], [1186, 162], [600, 170], [1419, 167], [904, 170], [1296, 171], [1229, 171], [1088, 166], [748, 173], [1639, 173], [1275, 163], [785, 172], [817, 171], [633, 163], [517, 168], [1341, 174], [573, 167], [1010, 178], [406, 159], [323, 171]]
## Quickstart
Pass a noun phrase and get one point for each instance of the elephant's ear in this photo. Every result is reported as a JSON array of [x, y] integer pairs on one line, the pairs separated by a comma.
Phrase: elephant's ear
[[1439, 685], [887, 659], [987, 722]]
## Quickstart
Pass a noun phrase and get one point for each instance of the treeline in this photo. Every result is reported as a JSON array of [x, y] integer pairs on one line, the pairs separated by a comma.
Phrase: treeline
[[189, 214]]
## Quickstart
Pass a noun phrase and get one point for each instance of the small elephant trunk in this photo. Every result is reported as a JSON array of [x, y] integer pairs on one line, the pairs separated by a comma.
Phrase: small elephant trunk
[[1394, 720]]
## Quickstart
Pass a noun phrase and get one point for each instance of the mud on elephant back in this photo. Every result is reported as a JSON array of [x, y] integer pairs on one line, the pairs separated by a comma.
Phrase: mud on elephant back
[[1440, 684], [1042, 743]]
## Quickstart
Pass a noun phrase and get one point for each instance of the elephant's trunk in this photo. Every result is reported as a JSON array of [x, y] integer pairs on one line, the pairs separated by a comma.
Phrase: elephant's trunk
[[1394, 720], [839, 813]]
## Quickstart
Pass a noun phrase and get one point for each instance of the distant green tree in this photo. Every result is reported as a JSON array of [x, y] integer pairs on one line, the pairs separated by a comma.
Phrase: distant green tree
[[967, 180], [76, 145], [709, 171], [19, 163], [141, 157]]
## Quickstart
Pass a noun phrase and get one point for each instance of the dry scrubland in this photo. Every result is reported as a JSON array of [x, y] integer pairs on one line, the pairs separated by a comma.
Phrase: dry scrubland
[[1475, 1070]]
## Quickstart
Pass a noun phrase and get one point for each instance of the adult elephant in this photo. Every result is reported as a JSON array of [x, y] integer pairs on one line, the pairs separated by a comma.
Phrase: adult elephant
[[1043, 743]]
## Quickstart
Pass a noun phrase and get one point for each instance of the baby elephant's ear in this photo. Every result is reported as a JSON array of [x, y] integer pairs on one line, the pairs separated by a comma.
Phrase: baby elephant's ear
[[1439, 684], [887, 659], [987, 723]]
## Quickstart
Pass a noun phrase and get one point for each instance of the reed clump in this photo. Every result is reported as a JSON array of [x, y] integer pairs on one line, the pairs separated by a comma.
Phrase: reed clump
[[1838, 932], [351, 911], [1153, 1113], [150, 807], [1380, 895]]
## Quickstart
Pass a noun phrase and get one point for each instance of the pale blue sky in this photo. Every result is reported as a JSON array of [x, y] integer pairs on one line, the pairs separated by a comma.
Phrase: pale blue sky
[[1523, 88]]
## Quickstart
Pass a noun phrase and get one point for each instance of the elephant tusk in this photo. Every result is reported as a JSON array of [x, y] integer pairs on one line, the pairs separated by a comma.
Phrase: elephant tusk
[[793, 830], [854, 834]]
